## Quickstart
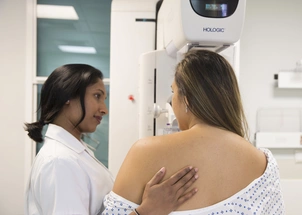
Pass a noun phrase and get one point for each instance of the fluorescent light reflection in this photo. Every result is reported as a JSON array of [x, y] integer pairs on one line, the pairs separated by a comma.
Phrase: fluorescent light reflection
[[56, 12], [78, 49]]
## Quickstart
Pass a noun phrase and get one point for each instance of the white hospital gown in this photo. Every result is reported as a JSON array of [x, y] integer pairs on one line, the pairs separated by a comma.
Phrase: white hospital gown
[[261, 197]]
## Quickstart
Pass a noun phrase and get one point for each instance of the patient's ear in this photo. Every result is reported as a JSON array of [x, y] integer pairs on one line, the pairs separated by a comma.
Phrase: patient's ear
[[67, 102], [186, 101]]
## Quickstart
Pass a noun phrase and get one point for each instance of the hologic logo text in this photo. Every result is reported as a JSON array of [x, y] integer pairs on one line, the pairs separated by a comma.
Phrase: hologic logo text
[[214, 30]]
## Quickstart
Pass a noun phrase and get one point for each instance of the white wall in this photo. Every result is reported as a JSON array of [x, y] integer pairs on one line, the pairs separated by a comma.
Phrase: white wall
[[12, 114], [17, 64], [127, 43], [272, 41]]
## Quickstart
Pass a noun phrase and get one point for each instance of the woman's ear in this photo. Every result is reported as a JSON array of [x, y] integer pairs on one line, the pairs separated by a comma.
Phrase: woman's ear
[[186, 101], [67, 102]]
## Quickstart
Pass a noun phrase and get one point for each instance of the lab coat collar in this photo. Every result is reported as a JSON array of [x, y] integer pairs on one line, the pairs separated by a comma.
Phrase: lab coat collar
[[60, 134]]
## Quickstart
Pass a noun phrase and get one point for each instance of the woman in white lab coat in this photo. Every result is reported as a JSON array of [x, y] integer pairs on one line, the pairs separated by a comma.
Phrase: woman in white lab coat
[[66, 178]]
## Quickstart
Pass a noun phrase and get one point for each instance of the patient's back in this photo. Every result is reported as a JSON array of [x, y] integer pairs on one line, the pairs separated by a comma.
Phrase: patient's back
[[227, 163]]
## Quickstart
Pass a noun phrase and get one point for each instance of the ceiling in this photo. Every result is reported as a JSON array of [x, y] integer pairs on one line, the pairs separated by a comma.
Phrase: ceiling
[[92, 29]]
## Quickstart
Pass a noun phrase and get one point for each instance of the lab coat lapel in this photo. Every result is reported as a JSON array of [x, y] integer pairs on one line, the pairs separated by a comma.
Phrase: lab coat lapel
[[61, 135]]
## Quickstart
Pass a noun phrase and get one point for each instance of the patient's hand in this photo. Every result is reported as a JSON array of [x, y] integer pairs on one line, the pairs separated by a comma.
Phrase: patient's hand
[[167, 196]]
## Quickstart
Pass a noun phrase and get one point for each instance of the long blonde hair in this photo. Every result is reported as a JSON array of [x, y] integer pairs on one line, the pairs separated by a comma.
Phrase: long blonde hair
[[209, 84]]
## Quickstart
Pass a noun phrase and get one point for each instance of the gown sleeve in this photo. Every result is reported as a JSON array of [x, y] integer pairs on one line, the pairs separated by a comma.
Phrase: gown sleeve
[[117, 205]]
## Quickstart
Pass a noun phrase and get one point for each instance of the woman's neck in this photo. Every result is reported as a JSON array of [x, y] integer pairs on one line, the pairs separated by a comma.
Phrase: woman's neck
[[68, 126]]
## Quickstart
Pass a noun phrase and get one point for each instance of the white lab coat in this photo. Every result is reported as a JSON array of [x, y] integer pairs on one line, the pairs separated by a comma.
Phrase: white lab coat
[[66, 178]]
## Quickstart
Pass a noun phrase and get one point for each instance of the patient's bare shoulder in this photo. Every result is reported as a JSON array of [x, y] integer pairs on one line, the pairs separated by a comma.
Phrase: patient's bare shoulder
[[137, 169]]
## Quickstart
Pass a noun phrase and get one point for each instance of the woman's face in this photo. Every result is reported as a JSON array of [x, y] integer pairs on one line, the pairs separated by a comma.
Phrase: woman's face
[[179, 107], [94, 105]]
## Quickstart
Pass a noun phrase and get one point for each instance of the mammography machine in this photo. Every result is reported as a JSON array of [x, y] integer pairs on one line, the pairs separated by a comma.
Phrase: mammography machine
[[182, 25], [144, 53]]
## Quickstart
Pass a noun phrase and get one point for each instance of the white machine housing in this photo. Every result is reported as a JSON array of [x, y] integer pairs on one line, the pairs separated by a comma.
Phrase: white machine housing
[[181, 28], [199, 22]]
